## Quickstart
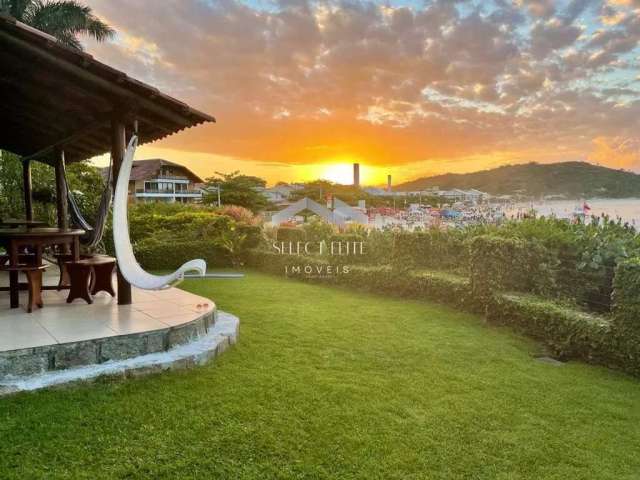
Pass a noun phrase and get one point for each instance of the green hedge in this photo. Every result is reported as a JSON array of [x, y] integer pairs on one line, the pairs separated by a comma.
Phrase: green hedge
[[434, 249], [154, 255], [509, 264], [626, 312], [274, 263], [569, 333], [438, 286]]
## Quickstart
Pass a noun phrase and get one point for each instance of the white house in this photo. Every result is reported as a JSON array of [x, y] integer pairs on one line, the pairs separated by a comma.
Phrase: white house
[[159, 180]]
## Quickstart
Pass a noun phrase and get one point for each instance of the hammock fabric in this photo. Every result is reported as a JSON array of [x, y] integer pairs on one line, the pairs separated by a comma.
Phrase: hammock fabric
[[93, 234], [128, 266]]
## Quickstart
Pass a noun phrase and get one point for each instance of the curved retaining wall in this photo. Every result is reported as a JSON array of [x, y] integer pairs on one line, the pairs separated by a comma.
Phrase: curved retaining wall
[[197, 352], [38, 360]]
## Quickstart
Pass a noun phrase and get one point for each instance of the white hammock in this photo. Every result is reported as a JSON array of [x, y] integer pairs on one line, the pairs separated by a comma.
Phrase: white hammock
[[127, 263]]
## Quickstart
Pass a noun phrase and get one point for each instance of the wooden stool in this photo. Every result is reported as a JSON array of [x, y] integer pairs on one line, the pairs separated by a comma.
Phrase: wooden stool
[[61, 259], [79, 279], [34, 281], [101, 280]]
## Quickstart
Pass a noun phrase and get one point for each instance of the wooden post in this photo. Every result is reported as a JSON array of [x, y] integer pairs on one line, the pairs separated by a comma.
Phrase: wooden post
[[117, 155], [26, 182], [61, 191]]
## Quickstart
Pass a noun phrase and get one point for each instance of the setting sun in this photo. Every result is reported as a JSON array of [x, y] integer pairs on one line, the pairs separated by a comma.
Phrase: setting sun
[[339, 173]]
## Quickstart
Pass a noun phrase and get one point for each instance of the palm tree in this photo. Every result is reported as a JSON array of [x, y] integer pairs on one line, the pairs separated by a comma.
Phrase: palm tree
[[64, 19]]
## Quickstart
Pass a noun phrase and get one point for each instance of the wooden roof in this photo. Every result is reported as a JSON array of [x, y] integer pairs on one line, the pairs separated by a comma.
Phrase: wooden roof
[[56, 96], [150, 168]]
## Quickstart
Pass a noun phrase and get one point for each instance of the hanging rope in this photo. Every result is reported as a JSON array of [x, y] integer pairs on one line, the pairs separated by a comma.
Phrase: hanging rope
[[93, 234]]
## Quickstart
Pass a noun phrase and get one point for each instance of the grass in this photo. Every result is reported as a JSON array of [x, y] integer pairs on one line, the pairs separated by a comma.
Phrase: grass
[[327, 383]]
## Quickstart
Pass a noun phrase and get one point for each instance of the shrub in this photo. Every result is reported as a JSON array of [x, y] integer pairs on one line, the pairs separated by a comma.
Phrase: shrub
[[290, 234], [626, 312], [154, 255], [432, 248], [441, 287], [378, 248], [346, 237], [569, 332], [253, 235], [587, 253], [239, 214], [511, 264], [317, 230], [438, 286]]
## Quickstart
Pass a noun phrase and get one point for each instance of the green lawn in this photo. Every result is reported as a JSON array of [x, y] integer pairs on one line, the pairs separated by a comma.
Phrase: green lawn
[[328, 383]]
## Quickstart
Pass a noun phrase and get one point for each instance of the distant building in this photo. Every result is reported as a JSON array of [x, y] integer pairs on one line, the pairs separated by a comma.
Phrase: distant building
[[340, 214], [159, 180], [431, 191], [458, 195], [377, 192], [280, 194], [454, 195], [476, 195]]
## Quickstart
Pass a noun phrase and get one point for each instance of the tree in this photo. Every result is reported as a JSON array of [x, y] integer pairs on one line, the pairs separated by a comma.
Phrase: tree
[[236, 189], [85, 181], [321, 190], [64, 19]]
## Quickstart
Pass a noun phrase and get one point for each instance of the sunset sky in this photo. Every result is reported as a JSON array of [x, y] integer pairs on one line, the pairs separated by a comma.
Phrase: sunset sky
[[302, 89]]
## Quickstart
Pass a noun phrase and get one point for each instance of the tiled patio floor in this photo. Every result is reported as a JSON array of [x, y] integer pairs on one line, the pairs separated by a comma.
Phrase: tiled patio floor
[[58, 322]]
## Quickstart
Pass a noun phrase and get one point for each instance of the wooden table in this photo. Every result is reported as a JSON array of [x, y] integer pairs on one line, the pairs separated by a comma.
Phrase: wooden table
[[13, 223], [16, 238]]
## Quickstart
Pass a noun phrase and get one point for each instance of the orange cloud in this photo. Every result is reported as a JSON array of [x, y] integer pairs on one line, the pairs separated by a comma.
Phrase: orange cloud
[[431, 89], [616, 152]]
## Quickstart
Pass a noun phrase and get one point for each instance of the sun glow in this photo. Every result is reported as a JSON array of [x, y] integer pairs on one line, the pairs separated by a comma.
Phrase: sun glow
[[341, 171], [338, 173]]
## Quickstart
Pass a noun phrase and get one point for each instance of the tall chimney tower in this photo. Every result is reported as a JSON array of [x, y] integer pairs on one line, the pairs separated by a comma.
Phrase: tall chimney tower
[[356, 174], [388, 183]]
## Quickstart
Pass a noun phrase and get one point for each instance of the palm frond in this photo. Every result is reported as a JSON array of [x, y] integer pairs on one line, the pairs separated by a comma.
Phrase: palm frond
[[98, 29], [15, 8], [66, 19]]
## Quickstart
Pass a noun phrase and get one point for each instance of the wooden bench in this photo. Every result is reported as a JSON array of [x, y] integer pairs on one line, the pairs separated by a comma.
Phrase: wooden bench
[[90, 276], [34, 282]]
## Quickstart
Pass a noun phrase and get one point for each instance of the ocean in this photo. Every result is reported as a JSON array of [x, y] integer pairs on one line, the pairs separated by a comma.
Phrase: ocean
[[628, 209]]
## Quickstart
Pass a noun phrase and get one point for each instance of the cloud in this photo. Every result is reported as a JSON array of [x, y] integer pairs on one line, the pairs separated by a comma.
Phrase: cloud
[[300, 82], [617, 152], [552, 35]]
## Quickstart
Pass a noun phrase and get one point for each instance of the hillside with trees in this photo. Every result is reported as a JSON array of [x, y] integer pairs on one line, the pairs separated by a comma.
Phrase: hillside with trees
[[571, 179]]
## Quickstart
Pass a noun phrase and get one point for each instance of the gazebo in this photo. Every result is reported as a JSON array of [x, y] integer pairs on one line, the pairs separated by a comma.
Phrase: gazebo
[[61, 105]]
